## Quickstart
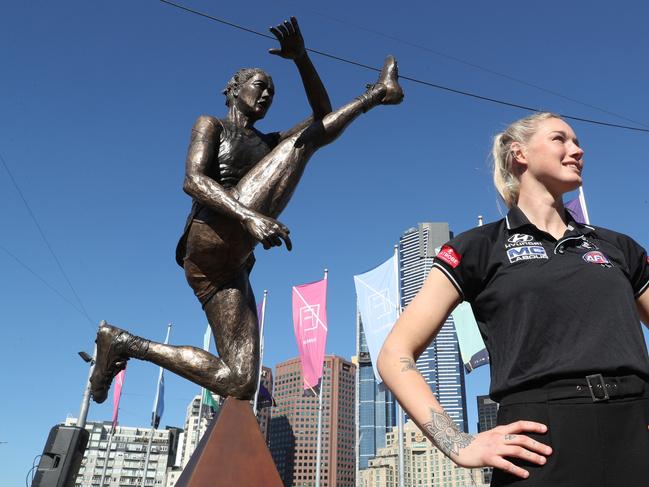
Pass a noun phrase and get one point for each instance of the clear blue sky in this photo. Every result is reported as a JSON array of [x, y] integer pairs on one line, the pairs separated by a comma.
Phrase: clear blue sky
[[97, 101]]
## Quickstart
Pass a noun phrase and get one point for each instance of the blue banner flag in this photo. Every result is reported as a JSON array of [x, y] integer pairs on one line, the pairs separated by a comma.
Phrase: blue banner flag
[[378, 300], [159, 402], [472, 347]]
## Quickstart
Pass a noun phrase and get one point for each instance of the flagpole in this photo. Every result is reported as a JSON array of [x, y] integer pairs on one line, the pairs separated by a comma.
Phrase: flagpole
[[153, 417], [110, 440], [582, 200], [206, 347], [399, 409], [319, 444], [357, 406], [146, 459], [200, 418], [261, 350]]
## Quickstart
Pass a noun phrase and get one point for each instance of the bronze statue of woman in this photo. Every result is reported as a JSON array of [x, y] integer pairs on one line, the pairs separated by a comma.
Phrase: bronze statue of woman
[[240, 180]]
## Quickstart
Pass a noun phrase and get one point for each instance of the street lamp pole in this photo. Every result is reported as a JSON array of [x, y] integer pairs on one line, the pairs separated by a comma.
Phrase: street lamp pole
[[85, 402]]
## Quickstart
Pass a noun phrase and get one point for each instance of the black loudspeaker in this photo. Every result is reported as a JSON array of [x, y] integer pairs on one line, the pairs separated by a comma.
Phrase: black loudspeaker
[[61, 457]]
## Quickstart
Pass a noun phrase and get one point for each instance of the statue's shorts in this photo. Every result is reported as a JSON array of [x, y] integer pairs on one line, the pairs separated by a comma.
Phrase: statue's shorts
[[218, 252]]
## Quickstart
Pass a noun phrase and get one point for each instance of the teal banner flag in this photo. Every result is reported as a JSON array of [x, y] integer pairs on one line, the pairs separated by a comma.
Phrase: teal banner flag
[[472, 347]]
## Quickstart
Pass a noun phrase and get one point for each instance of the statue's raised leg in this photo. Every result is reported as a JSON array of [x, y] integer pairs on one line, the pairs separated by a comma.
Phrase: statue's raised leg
[[269, 185]]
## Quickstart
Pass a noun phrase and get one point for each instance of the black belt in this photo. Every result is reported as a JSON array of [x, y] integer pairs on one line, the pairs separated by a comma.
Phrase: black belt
[[595, 387]]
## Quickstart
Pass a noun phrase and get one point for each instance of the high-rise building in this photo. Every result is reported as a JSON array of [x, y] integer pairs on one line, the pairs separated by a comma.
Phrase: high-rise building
[[375, 403], [440, 364], [487, 419], [487, 413], [197, 419], [294, 425], [120, 457], [424, 465]]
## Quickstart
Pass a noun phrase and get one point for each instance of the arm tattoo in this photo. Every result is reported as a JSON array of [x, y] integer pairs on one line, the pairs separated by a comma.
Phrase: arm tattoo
[[408, 364], [446, 435]]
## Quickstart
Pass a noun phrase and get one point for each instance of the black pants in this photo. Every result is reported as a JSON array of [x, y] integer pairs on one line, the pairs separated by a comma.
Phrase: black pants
[[595, 444]]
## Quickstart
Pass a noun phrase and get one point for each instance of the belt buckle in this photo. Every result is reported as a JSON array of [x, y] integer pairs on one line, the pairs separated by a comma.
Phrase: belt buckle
[[596, 381]]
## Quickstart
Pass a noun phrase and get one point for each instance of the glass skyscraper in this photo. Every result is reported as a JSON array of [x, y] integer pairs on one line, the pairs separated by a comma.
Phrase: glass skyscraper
[[376, 406], [487, 413], [440, 364]]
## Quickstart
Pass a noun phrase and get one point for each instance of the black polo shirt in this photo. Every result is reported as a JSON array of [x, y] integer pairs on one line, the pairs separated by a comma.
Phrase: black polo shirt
[[551, 309]]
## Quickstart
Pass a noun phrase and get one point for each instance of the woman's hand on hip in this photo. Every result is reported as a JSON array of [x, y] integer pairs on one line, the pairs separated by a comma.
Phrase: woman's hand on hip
[[492, 448]]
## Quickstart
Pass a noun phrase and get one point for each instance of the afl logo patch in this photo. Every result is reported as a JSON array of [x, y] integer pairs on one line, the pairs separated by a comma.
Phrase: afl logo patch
[[450, 256], [596, 257], [520, 237]]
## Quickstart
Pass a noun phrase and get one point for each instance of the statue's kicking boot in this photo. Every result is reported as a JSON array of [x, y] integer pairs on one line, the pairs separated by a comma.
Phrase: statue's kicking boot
[[386, 90], [389, 78], [114, 347]]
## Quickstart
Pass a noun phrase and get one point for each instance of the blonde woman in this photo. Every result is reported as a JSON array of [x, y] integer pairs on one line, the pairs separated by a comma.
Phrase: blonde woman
[[559, 305]]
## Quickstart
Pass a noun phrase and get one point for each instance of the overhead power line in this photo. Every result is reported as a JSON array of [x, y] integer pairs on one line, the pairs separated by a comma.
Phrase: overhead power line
[[409, 78], [473, 65], [42, 279], [47, 243]]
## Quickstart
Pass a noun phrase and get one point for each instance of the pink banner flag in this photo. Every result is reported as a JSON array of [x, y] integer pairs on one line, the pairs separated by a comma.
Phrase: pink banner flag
[[310, 323], [117, 394]]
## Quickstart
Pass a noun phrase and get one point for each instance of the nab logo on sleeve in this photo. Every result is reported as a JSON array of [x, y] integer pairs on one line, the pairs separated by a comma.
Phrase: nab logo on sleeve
[[450, 256], [527, 252]]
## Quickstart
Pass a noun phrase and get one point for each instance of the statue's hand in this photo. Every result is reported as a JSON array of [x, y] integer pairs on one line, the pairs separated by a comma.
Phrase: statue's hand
[[268, 231], [290, 40]]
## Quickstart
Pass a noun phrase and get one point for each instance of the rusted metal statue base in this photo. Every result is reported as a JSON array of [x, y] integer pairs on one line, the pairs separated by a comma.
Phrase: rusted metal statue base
[[232, 452]]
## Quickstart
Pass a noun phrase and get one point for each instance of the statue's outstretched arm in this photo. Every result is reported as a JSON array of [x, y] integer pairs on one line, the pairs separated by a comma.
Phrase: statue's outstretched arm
[[292, 47], [203, 146]]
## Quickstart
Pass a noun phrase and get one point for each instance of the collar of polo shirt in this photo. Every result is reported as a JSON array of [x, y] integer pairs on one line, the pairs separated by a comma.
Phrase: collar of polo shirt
[[516, 219]]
